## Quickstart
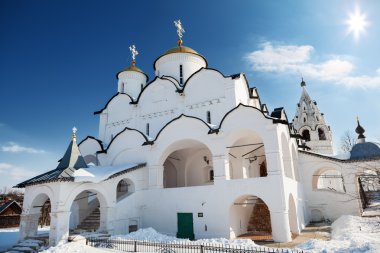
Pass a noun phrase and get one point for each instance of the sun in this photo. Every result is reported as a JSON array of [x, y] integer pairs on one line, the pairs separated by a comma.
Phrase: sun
[[357, 23]]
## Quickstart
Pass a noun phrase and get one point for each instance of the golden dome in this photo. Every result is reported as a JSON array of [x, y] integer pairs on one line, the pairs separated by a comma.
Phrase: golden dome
[[132, 68], [180, 49]]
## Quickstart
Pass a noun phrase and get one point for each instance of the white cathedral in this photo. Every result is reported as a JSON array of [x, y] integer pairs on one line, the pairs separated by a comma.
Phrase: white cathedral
[[196, 154]]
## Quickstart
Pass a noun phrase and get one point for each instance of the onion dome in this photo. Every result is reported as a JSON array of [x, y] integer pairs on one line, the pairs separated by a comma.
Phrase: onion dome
[[303, 83], [360, 130], [179, 62], [132, 68], [132, 79]]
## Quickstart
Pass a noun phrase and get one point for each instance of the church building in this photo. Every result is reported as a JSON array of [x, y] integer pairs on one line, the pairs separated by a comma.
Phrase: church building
[[195, 153]]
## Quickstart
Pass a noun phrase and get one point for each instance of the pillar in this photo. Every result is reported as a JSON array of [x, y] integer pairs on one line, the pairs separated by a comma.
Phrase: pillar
[[156, 176], [274, 165], [280, 226], [28, 225], [220, 166], [59, 227], [106, 221]]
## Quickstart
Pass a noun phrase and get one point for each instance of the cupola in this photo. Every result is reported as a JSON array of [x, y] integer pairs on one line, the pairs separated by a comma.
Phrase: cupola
[[131, 80], [179, 62]]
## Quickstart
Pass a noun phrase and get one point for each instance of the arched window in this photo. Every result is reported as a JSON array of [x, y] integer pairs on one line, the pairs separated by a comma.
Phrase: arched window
[[180, 75], [304, 119], [306, 135], [321, 134], [316, 117], [142, 87], [122, 188], [209, 117]]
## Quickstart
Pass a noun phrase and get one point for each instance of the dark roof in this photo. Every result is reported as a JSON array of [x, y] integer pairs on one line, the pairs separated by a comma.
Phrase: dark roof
[[337, 159], [71, 161], [365, 150], [138, 166], [8, 204]]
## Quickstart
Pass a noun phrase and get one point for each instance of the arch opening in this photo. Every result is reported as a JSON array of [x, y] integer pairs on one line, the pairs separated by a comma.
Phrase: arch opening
[[293, 219], [306, 135], [247, 158], [250, 217], [39, 214], [321, 134], [188, 164], [85, 212], [124, 188], [328, 179]]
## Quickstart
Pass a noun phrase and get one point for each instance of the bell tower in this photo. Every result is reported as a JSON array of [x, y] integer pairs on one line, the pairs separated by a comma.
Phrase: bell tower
[[310, 123]]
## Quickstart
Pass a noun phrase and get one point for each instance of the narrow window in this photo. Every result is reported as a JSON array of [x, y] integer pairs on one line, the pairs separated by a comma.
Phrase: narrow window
[[211, 175], [147, 129], [304, 119], [180, 75], [142, 87], [317, 118], [209, 117]]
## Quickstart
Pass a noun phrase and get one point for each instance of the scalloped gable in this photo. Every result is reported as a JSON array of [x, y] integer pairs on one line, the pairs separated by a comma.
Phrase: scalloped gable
[[182, 116], [126, 129], [111, 99]]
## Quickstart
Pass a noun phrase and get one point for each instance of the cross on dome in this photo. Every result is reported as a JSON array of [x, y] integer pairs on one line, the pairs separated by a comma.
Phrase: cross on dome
[[134, 52], [180, 31]]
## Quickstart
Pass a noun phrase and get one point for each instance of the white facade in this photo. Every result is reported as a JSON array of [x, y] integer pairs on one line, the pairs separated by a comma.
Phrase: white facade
[[204, 145]]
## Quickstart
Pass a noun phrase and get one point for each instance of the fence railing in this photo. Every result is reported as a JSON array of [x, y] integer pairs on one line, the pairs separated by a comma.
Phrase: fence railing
[[177, 247]]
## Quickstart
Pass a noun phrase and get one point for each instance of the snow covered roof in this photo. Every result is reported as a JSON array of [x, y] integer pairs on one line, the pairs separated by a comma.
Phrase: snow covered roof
[[97, 174]]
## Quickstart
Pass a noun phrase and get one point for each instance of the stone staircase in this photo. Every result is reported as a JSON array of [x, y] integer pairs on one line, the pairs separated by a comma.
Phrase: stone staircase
[[28, 246], [91, 222], [260, 218]]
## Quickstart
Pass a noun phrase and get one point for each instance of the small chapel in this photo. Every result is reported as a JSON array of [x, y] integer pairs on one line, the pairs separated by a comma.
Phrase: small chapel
[[195, 153]]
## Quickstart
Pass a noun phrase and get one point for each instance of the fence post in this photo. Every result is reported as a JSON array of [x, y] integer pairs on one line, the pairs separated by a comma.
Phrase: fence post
[[135, 246]]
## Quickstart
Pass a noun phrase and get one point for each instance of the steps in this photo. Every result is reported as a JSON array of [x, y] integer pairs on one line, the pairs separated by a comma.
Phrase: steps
[[260, 218], [27, 246], [91, 222]]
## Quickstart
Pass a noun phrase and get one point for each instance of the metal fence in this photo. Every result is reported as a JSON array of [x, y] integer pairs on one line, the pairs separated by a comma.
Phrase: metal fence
[[185, 247]]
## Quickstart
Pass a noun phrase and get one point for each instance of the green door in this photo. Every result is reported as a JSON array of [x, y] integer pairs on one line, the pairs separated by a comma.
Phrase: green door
[[185, 225]]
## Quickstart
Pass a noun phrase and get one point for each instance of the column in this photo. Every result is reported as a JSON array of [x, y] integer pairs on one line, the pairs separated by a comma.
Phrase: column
[[59, 227], [156, 177], [106, 221], [274, 165], [280, 226], [28, 225], [220, 166]]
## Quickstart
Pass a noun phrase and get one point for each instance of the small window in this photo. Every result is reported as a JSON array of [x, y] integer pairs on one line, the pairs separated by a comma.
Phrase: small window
[[147, 129], [142, 87], [304, 119], [209, 117], [211, 175], [306, 135], [321, 134], [317, 118], [180, 75]]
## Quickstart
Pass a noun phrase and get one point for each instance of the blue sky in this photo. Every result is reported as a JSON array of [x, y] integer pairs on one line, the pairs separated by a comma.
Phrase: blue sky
[[58, 61]]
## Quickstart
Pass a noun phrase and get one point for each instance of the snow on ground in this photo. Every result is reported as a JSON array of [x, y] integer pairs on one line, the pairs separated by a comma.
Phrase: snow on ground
[[149, 234], [9, 236], [349, 234]]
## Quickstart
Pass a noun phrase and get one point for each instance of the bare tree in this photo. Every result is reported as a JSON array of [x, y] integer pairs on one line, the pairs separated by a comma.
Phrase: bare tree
[[347, 141]]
